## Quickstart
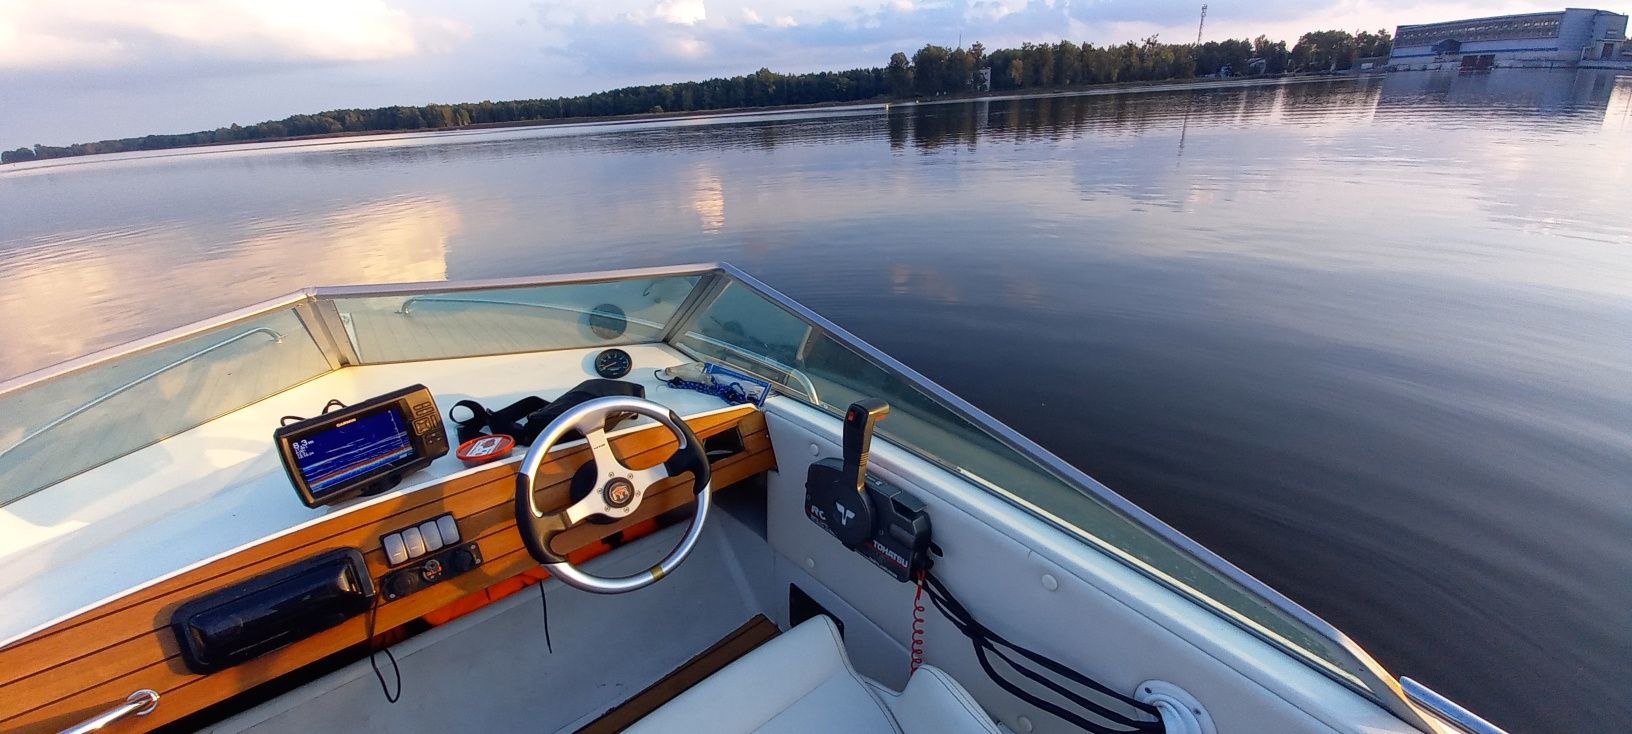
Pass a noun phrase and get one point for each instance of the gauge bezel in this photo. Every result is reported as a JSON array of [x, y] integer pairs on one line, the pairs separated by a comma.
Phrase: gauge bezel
[[628, 363]]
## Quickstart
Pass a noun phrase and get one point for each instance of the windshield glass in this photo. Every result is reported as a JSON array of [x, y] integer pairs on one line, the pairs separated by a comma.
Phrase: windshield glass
[[58, 427], [467, 323], [750, 330]]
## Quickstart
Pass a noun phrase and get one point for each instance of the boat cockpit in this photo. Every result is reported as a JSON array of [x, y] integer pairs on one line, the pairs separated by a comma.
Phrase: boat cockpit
[[660, 500]]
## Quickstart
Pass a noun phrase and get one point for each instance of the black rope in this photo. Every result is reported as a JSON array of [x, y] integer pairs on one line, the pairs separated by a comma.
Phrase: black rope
[[544, 605], [396, 672], [333, 403], [986, 644]]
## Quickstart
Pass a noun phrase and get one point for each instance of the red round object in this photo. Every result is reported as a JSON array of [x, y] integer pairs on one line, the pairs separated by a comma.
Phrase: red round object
[[483, 449]]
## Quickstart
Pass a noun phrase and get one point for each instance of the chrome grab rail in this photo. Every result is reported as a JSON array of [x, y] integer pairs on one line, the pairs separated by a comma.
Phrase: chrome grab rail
[[109, 395], [408, 304], [140, 703], [1446, 709]]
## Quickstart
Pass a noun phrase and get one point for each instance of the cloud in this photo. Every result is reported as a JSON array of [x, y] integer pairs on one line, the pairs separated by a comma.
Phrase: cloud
[[110, 34], [676, 39], [680, 12]]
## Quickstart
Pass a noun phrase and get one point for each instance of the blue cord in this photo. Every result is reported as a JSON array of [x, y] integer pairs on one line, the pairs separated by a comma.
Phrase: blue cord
[[732, 393]]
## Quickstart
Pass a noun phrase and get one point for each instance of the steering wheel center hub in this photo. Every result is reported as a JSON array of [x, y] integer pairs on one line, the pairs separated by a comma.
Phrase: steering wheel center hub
[[618, 493]]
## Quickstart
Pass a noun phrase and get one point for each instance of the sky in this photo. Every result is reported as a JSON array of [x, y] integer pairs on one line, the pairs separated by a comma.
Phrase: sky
[[82, 70]]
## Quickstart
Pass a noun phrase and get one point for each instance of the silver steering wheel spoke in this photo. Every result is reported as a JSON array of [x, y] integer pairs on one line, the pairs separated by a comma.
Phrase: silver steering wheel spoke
[[645, 479], [606, 460]]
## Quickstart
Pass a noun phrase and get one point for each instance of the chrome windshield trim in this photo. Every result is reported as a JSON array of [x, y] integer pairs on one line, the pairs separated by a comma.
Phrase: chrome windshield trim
[[408, 304], [1380, 681], [1444, 708], [444, 286], [111, 394], [323, 293], [703, 294], [154, 341]]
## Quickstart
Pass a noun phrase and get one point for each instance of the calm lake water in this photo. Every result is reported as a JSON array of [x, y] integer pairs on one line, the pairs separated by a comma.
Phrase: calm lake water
[[1369, 339]]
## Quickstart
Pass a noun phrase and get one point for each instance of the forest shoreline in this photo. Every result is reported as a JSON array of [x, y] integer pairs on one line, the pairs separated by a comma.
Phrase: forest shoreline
[[1040, 93]]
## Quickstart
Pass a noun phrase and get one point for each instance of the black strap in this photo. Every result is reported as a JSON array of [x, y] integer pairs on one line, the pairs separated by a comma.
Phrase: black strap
[[540, 417], [503, 421], [986, 644], [524, 419]]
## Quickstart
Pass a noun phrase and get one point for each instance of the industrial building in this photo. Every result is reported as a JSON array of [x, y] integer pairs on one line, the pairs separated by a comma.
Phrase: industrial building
[[1562, 39]]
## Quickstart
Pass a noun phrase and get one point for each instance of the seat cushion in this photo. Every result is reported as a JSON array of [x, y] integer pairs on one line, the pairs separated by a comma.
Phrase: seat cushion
[[801, 682], [798, 682], [934, 703]]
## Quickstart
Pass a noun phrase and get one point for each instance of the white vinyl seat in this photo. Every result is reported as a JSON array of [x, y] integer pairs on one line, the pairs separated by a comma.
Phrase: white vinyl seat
[[801, 682]]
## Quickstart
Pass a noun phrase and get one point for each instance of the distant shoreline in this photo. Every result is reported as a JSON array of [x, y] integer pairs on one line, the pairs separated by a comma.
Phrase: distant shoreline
[[346, 137]]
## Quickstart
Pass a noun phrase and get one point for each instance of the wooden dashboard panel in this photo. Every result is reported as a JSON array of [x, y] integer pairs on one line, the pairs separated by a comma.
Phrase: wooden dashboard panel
[[89, 663]]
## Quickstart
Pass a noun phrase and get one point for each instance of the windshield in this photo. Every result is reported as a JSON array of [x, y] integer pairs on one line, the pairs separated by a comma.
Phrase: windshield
[[60, 426]]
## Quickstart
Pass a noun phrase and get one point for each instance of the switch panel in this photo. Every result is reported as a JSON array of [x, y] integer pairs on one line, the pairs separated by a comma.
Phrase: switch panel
[[435, 534]]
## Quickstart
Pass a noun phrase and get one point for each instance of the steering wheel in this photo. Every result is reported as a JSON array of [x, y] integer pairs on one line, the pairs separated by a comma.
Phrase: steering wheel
[[618, 490]]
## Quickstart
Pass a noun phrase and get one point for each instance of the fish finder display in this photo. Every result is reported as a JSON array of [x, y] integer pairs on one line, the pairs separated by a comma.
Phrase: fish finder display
[[361, 449], [351, 449]]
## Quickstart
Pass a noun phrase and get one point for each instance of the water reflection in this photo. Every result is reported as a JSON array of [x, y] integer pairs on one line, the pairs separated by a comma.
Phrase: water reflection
[[709, 201], [83, 290], [1367, 338]]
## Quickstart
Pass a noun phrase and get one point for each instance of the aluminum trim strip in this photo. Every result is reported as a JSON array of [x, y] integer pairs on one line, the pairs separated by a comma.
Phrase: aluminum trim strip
[[154, 341], [1444, 708], [443, 286], [408, 304], [110, 394], [702, 294], [334, 330]]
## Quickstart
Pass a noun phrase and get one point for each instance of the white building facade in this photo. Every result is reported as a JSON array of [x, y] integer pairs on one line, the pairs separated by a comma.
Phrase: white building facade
[[1562, 39]]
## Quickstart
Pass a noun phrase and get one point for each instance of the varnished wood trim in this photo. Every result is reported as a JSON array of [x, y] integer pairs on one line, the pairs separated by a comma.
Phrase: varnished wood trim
[[77, 668]]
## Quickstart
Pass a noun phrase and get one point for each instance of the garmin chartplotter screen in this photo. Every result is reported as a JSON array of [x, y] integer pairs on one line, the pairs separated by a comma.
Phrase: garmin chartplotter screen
[[365, 448], [351, 449]]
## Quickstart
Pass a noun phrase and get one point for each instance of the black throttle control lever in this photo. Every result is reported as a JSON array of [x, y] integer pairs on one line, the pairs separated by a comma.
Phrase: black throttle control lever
[[866, 514], [838, 500], [858, 439]]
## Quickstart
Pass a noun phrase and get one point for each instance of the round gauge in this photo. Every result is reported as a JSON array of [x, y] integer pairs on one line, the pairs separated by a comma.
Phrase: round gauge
[[613, 363], [607, 321]]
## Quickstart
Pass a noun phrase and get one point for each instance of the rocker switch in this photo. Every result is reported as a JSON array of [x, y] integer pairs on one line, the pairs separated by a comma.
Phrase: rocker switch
[[432, 536], [395, 551], [449, 529], [414, 541]]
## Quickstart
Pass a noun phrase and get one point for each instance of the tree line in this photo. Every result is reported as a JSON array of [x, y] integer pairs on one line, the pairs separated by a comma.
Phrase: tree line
[[931, 71]]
